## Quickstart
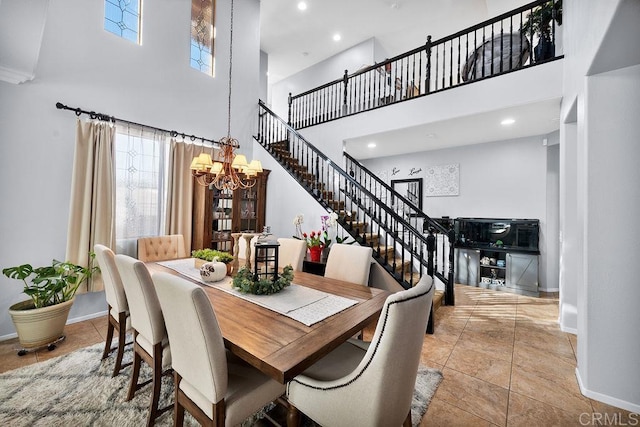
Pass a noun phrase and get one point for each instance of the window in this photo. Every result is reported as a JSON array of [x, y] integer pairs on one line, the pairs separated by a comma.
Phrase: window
[[122, 18], [202, 35], [141, 159]]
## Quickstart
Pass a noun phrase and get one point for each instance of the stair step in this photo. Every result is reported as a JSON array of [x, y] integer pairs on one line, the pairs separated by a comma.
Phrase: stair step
[[371, 238], [412, 277], [336, 204], [384, 250], [400, 266], [342, 213], [358, 226], [438, 297], [327, 195]]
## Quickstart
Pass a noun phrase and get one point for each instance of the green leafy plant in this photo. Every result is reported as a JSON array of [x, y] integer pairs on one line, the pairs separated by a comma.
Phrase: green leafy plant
[[246, 283], [343, 240], [539, 20], [209, 254], [52, 284]]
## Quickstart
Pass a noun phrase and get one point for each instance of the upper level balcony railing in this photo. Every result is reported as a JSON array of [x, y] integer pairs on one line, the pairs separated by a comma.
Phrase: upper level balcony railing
[[524, 37]]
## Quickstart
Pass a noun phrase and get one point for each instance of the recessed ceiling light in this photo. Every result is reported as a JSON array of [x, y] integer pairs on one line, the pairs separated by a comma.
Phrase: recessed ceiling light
[[336, 37], [507, 122], [371, 145], [302, 6]]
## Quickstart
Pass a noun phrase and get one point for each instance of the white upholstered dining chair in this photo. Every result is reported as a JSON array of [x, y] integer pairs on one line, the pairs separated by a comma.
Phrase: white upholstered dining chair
[[150, 341], [214, 386], [291, 252], [349, 263], [118, 308], [368, 384], [161, 248]]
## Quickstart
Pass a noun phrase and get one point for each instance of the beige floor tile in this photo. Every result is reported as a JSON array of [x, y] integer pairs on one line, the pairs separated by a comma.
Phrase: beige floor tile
[[100, 323], [543, 337], [551, 386], [442, 414], [436, 350], [9, 358], [546, 313], [534, 358], [78, 335], [492, 343], [478, 365], [525, 412], [609, 415], [478, 397]]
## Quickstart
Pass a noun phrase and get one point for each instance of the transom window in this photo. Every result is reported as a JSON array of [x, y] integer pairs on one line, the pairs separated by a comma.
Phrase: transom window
[[122, 18], [202, 35]]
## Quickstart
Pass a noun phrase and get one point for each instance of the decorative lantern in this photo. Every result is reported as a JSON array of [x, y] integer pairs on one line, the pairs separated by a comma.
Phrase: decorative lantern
[[266, 261]]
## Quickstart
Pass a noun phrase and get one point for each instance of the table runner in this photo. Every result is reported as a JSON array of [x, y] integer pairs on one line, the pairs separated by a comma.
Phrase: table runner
[[303, 304]]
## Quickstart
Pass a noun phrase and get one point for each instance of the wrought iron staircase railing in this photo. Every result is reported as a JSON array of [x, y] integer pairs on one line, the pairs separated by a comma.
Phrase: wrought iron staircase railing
[[402, 250], [440, 238], [491, 48]]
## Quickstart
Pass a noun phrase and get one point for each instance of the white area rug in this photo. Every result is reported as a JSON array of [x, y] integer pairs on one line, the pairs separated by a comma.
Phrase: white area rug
[[77, 390]]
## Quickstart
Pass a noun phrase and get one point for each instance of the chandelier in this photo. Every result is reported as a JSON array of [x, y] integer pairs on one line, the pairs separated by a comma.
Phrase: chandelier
[[230, 171]]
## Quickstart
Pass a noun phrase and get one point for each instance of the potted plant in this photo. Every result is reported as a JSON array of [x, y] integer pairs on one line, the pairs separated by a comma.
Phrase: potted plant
[[207, 255], [40, 320], [539, 23]]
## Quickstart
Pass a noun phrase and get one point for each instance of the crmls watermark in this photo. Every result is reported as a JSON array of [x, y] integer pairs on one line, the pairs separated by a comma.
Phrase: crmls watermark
[[615, 419]]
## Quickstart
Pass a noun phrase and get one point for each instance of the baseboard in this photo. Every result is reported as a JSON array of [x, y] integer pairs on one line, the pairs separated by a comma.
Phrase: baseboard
[[69, 321], [549, 290], [627, 406], [8, 336], [87, 317], [573, 331]]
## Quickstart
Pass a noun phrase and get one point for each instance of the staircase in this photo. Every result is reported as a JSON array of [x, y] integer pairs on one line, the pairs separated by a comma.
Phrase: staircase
[[403, 251]]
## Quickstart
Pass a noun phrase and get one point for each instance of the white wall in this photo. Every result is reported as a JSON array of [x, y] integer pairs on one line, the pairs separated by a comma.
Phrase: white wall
[[505, 179], [82, 65], [363, 54], [608, 344], [599, 196]]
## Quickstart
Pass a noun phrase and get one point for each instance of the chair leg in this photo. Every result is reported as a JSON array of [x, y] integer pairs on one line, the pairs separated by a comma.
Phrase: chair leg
[[178, 409], [134, 374], [122, 334], [407, 421], [157, 381], [293, 416], [107, 345]]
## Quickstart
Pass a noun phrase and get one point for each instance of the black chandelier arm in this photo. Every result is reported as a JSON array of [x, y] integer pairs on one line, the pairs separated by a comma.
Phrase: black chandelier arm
[[107, 118]]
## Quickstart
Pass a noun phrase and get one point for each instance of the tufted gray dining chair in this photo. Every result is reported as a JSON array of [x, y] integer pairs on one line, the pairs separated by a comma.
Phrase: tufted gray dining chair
[[368, 384]]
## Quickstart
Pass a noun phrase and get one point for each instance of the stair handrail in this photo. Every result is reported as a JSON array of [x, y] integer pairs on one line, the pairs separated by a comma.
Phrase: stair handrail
[[352, 181], [427, 48], [438, 227]]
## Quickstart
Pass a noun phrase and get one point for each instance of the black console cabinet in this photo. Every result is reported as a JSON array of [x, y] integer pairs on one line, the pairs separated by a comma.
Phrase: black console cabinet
[[498, 253]]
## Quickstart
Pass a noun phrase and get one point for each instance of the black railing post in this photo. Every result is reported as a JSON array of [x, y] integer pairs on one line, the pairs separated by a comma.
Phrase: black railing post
[[431, 247], [345, 81], [427, 83], [289, 114], [449, 297]]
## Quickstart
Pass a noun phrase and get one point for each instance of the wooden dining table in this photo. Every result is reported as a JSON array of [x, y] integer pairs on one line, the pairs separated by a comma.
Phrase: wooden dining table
[[282, 347]]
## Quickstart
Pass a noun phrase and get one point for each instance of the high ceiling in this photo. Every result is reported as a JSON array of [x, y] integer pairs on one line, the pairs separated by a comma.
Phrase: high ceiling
[[296, 39]]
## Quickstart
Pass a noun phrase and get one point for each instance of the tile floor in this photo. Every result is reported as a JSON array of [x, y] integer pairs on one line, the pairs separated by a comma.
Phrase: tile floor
[[504, 359]]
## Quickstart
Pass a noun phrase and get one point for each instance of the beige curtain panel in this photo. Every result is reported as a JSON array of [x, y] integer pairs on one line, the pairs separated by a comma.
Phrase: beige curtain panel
[[91, 215], [180, 190]]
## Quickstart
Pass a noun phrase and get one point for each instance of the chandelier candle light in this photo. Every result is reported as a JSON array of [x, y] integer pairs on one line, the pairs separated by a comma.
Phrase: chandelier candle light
[[225, 173]]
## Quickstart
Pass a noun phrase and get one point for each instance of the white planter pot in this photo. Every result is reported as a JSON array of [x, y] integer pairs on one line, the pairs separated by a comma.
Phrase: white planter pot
[[38, 327]]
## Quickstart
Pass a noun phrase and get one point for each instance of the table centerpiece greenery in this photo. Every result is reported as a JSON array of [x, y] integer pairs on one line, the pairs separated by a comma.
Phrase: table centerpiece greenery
[[245, 282]]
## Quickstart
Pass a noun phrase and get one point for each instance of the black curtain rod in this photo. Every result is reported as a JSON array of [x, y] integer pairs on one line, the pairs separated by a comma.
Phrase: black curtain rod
[[106, 118]]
